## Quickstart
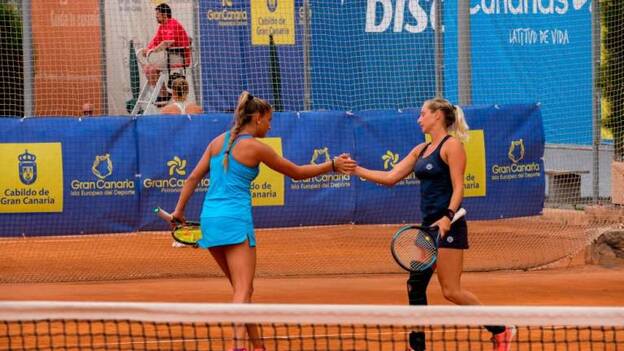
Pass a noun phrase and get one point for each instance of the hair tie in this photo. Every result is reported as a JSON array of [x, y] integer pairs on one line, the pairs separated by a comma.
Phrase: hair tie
[[250, 97]]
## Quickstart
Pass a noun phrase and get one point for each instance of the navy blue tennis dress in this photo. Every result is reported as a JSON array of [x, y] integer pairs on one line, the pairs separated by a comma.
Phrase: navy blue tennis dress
[[436, 190], [226, 217]]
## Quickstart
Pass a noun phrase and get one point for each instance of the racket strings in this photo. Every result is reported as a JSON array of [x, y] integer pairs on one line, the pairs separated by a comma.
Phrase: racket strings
[[187, 234], [415, 249]]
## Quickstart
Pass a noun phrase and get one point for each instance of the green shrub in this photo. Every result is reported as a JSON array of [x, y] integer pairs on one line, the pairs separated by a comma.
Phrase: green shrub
[[11, 61]]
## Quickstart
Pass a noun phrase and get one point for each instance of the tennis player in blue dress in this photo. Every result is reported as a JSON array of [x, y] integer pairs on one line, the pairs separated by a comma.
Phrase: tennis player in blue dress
[[440, 166], [226, 221]]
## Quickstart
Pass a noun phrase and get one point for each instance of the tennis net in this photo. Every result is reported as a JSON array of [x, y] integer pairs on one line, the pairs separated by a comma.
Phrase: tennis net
[[184, 326]]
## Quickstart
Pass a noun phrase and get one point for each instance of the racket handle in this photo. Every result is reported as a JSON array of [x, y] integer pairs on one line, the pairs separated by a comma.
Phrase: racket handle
[[163, 214], [459, 214]]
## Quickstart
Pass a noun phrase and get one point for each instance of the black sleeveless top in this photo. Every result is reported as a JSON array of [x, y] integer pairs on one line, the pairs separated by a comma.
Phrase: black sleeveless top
[[436, 187]]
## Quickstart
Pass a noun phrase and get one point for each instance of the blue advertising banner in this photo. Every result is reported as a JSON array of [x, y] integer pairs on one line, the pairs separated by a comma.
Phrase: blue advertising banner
[[106, 174], [236, 55], [383, 138], [357, 44], [278, 201], [87, 166], [514, 169], [312, 138], [169, 147], [504, 163], [533, 45]]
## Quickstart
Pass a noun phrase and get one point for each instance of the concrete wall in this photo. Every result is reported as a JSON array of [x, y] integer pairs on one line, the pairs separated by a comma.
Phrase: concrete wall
[[579, 158]]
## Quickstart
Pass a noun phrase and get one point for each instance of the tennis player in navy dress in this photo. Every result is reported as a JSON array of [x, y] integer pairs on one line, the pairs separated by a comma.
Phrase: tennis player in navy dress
[[440, 166]]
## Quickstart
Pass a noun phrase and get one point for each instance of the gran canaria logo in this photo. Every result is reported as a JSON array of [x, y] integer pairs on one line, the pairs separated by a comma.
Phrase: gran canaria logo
[[102, 166], [320, 155], [516, 151], [390, 159], [228, 15], [329, 180], [27, 168], [517, 168], [102, 169], [177, 166]]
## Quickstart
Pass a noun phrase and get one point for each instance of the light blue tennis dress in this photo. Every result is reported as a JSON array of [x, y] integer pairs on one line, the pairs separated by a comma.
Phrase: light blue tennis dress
[[226, 217]]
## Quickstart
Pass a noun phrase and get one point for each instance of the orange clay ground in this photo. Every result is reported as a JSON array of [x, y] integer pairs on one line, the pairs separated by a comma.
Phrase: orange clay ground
[[587, 285], [313, 255]]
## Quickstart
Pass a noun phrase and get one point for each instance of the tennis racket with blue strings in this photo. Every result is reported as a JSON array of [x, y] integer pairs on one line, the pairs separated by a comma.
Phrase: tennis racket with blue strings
[[415, 247]]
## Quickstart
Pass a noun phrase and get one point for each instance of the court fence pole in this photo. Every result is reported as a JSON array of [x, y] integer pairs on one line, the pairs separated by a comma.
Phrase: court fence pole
[[464, 54], [439, 48], [307, 79], [27, 55], [196, 67], [103, 65], [596, 99]]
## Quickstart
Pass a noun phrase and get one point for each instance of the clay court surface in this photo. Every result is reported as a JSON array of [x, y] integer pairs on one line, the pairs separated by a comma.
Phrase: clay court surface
[[579, 286], [143, 267], [339, 264], [574, 286]]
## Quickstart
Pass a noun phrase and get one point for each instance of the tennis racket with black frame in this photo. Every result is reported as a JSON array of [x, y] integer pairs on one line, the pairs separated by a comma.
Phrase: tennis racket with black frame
[[188, 233], [415, 247]]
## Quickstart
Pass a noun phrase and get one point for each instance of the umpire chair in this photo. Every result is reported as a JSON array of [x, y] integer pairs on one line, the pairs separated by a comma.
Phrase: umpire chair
[[146, 103]]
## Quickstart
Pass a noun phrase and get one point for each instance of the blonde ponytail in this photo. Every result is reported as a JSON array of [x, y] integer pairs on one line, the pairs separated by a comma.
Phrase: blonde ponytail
[[459, 128], [454, 118]]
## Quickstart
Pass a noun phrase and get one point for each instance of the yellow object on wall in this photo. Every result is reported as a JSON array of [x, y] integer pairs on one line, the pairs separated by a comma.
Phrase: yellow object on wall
[[268, 188], [32, 177], [275, 18]]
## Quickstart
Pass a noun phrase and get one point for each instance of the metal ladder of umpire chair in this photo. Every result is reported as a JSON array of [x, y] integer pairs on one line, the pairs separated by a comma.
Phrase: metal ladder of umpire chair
[[145, 102]]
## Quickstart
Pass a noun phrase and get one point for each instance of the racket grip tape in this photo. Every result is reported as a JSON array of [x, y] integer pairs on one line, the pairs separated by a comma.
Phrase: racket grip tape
[[163, 214], [459, 214]]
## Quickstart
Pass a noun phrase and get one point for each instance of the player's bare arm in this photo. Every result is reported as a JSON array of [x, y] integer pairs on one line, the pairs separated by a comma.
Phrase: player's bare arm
[[398, 172]]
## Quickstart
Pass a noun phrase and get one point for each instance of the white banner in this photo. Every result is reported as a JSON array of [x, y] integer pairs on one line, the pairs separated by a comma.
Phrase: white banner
[[135, 21]]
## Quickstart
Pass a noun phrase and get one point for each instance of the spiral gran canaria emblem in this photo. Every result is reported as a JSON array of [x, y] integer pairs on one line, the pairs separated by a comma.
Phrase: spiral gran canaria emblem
[[390, 159], [177, 165]]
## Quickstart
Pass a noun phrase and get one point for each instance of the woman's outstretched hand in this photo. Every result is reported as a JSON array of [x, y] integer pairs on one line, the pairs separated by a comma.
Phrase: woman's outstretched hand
[[344, 164]]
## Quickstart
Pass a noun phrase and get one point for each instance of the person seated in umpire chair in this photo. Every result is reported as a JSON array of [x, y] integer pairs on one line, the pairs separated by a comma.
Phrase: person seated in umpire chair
[[172, 38]]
